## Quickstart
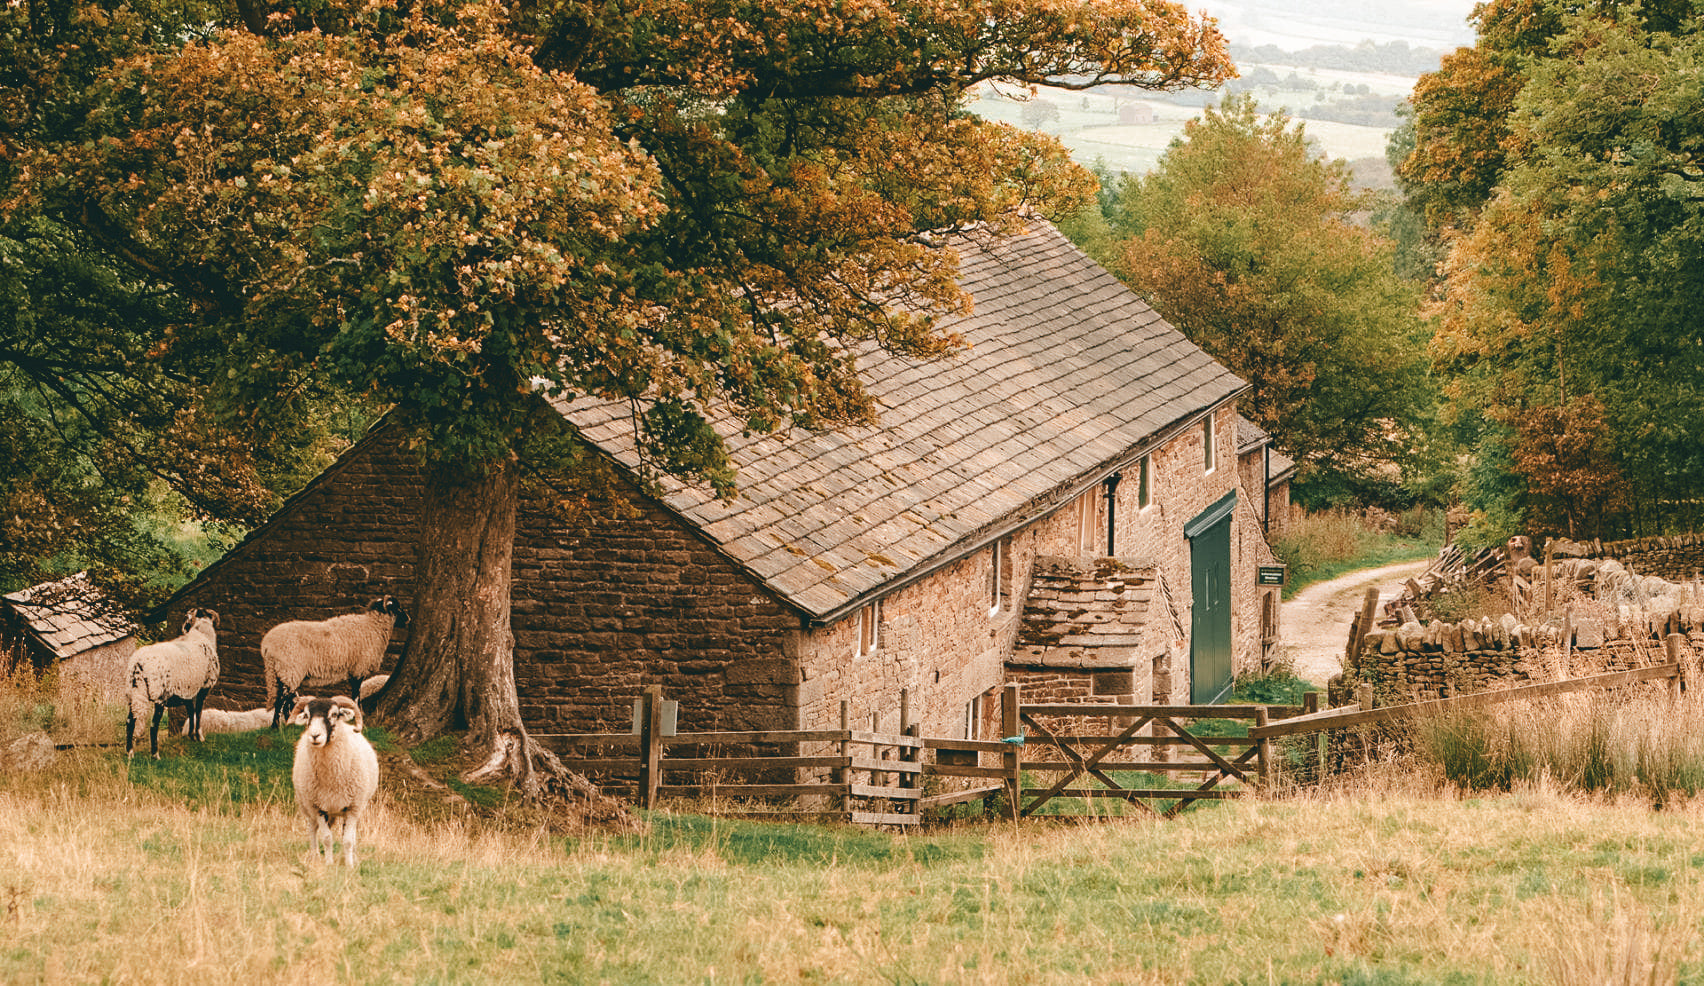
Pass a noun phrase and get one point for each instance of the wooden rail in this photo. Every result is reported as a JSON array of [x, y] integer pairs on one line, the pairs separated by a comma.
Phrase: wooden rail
[[1348, 716], [1050, 752]]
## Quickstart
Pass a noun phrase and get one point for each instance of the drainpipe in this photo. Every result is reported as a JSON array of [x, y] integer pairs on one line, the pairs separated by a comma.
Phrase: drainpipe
[[1266, 489], [1112, 513]]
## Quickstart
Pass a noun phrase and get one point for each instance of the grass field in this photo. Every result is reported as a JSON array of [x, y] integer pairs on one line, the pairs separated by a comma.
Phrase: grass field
[[197, 870], [1088, 125]]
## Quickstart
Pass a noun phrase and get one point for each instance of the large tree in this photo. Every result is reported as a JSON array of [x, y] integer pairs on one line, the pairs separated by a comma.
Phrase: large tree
[[1572, 295], [1254, 246], [447, 207]]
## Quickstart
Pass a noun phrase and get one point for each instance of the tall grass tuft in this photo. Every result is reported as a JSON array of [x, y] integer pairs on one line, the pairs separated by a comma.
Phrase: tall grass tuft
[[1319, 546], [1648, 746]]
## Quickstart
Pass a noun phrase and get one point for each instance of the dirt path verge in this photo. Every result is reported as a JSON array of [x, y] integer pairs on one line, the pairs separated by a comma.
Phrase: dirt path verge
[[1316, 621]]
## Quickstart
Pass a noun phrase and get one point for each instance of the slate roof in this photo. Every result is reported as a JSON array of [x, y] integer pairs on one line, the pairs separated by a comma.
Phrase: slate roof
[[1099, 613], [1068, 375], [68, 617], [1250, 437]]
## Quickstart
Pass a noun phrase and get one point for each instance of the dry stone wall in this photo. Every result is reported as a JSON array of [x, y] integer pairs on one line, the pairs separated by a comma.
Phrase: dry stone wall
[[1620, 623], [1678, 558]]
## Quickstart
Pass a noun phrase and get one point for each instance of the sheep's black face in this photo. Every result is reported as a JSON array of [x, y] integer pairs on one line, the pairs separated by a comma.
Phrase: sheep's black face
[[389, 606], [199, 613], [326, 714]]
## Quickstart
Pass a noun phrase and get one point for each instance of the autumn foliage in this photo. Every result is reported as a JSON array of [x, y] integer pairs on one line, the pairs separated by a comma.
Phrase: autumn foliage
[[442, 208]]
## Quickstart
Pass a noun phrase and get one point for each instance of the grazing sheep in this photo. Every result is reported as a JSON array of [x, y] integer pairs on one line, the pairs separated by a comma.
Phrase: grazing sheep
[[299, 713], [231, 721], [180, 671], [327, 652], [336, 773]]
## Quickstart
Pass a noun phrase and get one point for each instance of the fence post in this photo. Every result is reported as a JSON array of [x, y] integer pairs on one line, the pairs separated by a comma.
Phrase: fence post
[[651, 743], [1364, 692], [1568, 641], [843, 776], [909, 754], [1012, 758], [1680, 683], [1310, 704], [1261, 716]]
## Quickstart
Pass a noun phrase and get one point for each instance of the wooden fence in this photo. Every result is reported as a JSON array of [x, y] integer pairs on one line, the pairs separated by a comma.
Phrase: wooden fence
[[1046, 753]]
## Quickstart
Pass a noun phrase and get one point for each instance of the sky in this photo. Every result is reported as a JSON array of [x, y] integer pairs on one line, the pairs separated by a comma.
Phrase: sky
[[1296, 24]]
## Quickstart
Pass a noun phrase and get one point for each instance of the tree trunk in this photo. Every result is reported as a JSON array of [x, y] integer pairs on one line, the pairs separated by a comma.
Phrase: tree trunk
[[458, 669]]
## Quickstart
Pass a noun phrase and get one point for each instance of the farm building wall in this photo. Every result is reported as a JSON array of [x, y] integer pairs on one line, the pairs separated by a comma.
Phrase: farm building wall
[[616, 600], [623, 599], [601, 608], [943, 641], [346, 538]]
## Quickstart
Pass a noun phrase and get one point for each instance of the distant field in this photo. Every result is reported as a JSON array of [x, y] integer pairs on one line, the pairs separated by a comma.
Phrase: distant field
[[1089, 125]]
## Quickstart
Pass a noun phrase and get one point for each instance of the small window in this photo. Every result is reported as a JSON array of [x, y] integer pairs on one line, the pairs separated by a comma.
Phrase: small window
[[1145, 484], [869, 628], [1086, 517], [973, 718], [1000, 576], [1207, 444]]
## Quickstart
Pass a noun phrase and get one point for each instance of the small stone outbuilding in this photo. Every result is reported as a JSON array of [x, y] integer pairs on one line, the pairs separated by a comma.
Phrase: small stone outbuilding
[[66, 625]]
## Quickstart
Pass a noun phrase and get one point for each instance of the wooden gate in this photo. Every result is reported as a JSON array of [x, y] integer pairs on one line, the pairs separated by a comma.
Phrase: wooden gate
[[1059, 740]]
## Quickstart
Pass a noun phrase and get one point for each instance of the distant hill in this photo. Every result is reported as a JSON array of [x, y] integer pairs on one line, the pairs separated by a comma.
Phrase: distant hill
[[1344, 67], [1293, 25]]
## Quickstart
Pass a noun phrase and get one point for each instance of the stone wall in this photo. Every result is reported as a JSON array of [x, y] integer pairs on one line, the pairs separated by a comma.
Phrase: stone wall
[[1619, 622], [1679, 558], [346, 538], [619, 601]]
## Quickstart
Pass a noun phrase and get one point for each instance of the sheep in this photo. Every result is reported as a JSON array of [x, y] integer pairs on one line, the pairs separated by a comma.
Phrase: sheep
[[335, 774], [327, 652], [299, 713], [232, 721], [180, 671]]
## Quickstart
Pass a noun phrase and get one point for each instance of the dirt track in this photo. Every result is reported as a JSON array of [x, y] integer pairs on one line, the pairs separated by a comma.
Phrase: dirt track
[[1316, 622]]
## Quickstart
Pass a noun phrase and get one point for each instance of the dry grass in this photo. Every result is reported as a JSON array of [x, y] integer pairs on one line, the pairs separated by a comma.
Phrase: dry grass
[[197, 870]]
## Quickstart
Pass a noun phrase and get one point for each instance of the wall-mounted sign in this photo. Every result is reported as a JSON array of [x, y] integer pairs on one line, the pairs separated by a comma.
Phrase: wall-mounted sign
[[1270, 574]]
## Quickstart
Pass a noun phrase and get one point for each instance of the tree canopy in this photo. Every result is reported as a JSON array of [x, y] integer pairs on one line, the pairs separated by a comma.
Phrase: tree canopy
[[443, 207], [1253, 245], [1567, 329]]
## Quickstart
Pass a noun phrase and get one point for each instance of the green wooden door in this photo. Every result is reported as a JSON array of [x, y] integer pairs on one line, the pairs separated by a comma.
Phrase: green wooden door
[[1210, 617]]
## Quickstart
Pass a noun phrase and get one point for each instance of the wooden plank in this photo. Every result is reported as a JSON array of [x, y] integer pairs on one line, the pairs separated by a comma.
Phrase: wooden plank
[[1342, 718], [873, 791], [754, 763], [581, 765], [887, 766], [881, 818], [1144, 740], [887, 739], [1150, 766], [761, 736], [942, 770], [575, 739], [1148, 793], [980, 746], [752, 790], [794, 736], [1137, 711], [958, 797]]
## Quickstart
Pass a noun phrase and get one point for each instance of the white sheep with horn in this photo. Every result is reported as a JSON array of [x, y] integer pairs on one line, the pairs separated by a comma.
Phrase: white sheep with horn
[[335, 774], [345, 648], [180, 671]]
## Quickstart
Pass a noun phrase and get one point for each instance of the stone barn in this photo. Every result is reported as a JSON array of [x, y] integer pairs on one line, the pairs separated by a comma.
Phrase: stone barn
[[1061, 503]]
